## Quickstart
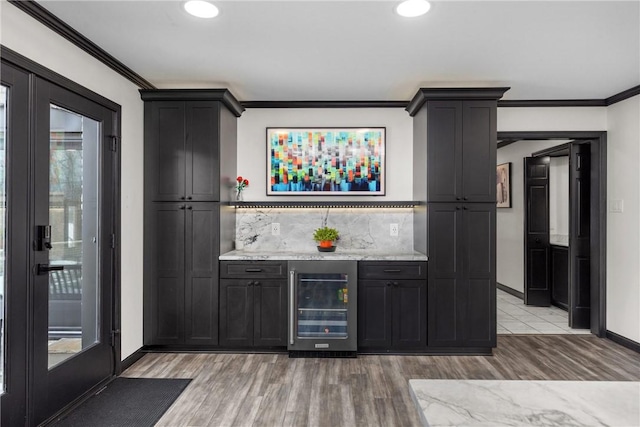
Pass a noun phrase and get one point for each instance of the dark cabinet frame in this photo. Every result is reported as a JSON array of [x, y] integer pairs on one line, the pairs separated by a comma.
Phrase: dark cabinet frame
[[392, 306], [181, 269], [253, 304]]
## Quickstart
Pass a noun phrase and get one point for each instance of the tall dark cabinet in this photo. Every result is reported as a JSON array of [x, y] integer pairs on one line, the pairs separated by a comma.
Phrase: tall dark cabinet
[[187, 225], [455, 180]]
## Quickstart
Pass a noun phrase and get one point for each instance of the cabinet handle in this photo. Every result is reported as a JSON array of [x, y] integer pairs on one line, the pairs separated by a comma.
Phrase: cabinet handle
[[189, 198], [252, 270], [181, 207], [388, 283], [464, 208], [256, 283], [396, 284], [249, 283], [392, 271], [457, 208], [189, 207], [464, 198], [457, 198], [182, 198]]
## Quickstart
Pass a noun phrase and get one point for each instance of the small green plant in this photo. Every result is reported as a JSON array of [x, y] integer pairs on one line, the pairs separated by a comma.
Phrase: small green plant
[[325, 234]]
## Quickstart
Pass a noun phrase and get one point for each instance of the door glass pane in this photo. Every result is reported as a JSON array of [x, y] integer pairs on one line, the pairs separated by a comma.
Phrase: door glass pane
[[3, 229], [322, 305], [73, 216]]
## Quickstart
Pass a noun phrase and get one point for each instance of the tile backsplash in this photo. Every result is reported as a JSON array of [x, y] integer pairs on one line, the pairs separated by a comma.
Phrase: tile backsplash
[[360, 229]]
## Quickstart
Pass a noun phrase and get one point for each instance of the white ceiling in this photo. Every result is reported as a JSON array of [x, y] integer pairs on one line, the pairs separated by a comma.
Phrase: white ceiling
[[360, 50]]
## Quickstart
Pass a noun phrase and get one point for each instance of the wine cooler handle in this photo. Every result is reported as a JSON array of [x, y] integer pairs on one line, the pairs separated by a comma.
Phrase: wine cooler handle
[[292, 311]]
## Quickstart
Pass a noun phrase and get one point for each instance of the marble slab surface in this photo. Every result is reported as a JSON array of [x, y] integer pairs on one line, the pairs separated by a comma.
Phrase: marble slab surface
[[526, 403], [337, 255]]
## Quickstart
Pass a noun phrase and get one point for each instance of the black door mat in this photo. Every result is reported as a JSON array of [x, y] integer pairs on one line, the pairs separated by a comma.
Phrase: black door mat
[[127, 402]]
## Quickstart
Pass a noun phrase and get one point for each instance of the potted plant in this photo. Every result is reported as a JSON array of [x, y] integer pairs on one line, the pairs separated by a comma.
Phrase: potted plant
[[325, 236]]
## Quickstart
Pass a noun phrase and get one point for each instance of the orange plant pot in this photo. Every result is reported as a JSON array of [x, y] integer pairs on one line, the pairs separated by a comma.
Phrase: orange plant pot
[[326, 243]]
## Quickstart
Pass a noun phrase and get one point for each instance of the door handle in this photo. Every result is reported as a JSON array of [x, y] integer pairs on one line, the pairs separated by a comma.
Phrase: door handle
[[45, 268], [292, 309]]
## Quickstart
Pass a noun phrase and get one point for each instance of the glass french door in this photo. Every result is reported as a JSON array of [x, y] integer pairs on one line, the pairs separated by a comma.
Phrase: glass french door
[[322, 305], [73, 226]]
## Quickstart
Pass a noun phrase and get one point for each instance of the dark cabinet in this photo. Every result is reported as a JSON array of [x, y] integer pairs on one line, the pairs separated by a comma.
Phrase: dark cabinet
[[392, 304], [455, 138], [253, 304], [182, 156], [461, 291], [461, 152], [181, 242], [187, 133]]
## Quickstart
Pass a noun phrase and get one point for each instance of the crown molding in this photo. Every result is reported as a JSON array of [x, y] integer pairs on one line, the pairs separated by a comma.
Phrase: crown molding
[[625, 94], [60, 27], [222, 95], [444, 93]]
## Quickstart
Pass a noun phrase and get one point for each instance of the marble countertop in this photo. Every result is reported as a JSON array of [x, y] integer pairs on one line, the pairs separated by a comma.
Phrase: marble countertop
[[316, 255], [526, 403]]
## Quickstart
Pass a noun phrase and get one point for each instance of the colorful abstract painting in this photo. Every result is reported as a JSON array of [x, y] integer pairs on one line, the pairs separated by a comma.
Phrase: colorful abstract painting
[[331, 161]]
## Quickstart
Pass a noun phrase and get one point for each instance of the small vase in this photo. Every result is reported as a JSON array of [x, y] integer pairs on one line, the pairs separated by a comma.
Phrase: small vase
[[326, 243], [239, 196]]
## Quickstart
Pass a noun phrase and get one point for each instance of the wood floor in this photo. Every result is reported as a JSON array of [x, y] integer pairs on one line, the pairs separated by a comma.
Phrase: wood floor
[[273, 390]]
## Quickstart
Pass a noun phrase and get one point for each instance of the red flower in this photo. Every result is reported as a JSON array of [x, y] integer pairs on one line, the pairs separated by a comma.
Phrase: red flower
[[246, 182], [239, 179]]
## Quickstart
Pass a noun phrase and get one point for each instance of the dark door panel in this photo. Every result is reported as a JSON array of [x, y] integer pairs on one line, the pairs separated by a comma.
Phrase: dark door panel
[[74, 192], [236, 313], [165, 150], [374, 313], [201, 273], [478, 151], [580, 236], [202, 153], [165, 243], [270, 313], [536, 223], [13, 399], [444, 151], [409, 314]]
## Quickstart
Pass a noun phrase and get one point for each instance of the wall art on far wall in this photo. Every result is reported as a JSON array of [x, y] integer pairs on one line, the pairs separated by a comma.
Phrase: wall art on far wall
[[503, 185], [326, 161]]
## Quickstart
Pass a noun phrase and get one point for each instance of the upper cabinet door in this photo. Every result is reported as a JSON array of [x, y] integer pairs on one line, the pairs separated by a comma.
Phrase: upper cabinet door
[[181, 151], [202, 153], [444, 151], [165, 151], [479, 139], [461, 151]]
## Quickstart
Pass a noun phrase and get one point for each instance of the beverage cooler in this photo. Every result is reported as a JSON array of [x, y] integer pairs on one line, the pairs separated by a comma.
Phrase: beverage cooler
[[323, 306]]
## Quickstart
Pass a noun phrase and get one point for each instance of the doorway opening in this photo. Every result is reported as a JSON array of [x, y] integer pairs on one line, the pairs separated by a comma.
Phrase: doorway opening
[[562, 265]]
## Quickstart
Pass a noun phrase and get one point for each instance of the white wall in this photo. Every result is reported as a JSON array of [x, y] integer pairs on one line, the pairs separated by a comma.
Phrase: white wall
[[623, 229], [510, 221], [252, 144], [552, 119], [21, 33]]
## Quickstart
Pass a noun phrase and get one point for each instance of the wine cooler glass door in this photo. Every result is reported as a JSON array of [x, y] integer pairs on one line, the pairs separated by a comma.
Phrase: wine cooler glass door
[[322, 305]]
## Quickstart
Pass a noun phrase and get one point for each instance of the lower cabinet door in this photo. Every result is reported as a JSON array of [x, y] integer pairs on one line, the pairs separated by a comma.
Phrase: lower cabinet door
[[374, 314], [201, 274], [270, 313], [409, 314], [236, 313]]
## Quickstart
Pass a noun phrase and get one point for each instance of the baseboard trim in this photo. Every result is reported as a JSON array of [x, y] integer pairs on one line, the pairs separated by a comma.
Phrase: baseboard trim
[[131, 359], [623, 341], [510, 291]]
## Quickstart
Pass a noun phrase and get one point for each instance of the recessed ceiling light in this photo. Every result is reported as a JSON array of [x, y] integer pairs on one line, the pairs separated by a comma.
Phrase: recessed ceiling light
[[413, 8], [201, 9]]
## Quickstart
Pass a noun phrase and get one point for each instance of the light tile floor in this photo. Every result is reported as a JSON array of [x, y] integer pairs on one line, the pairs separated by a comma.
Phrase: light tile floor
[[516, 318]]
